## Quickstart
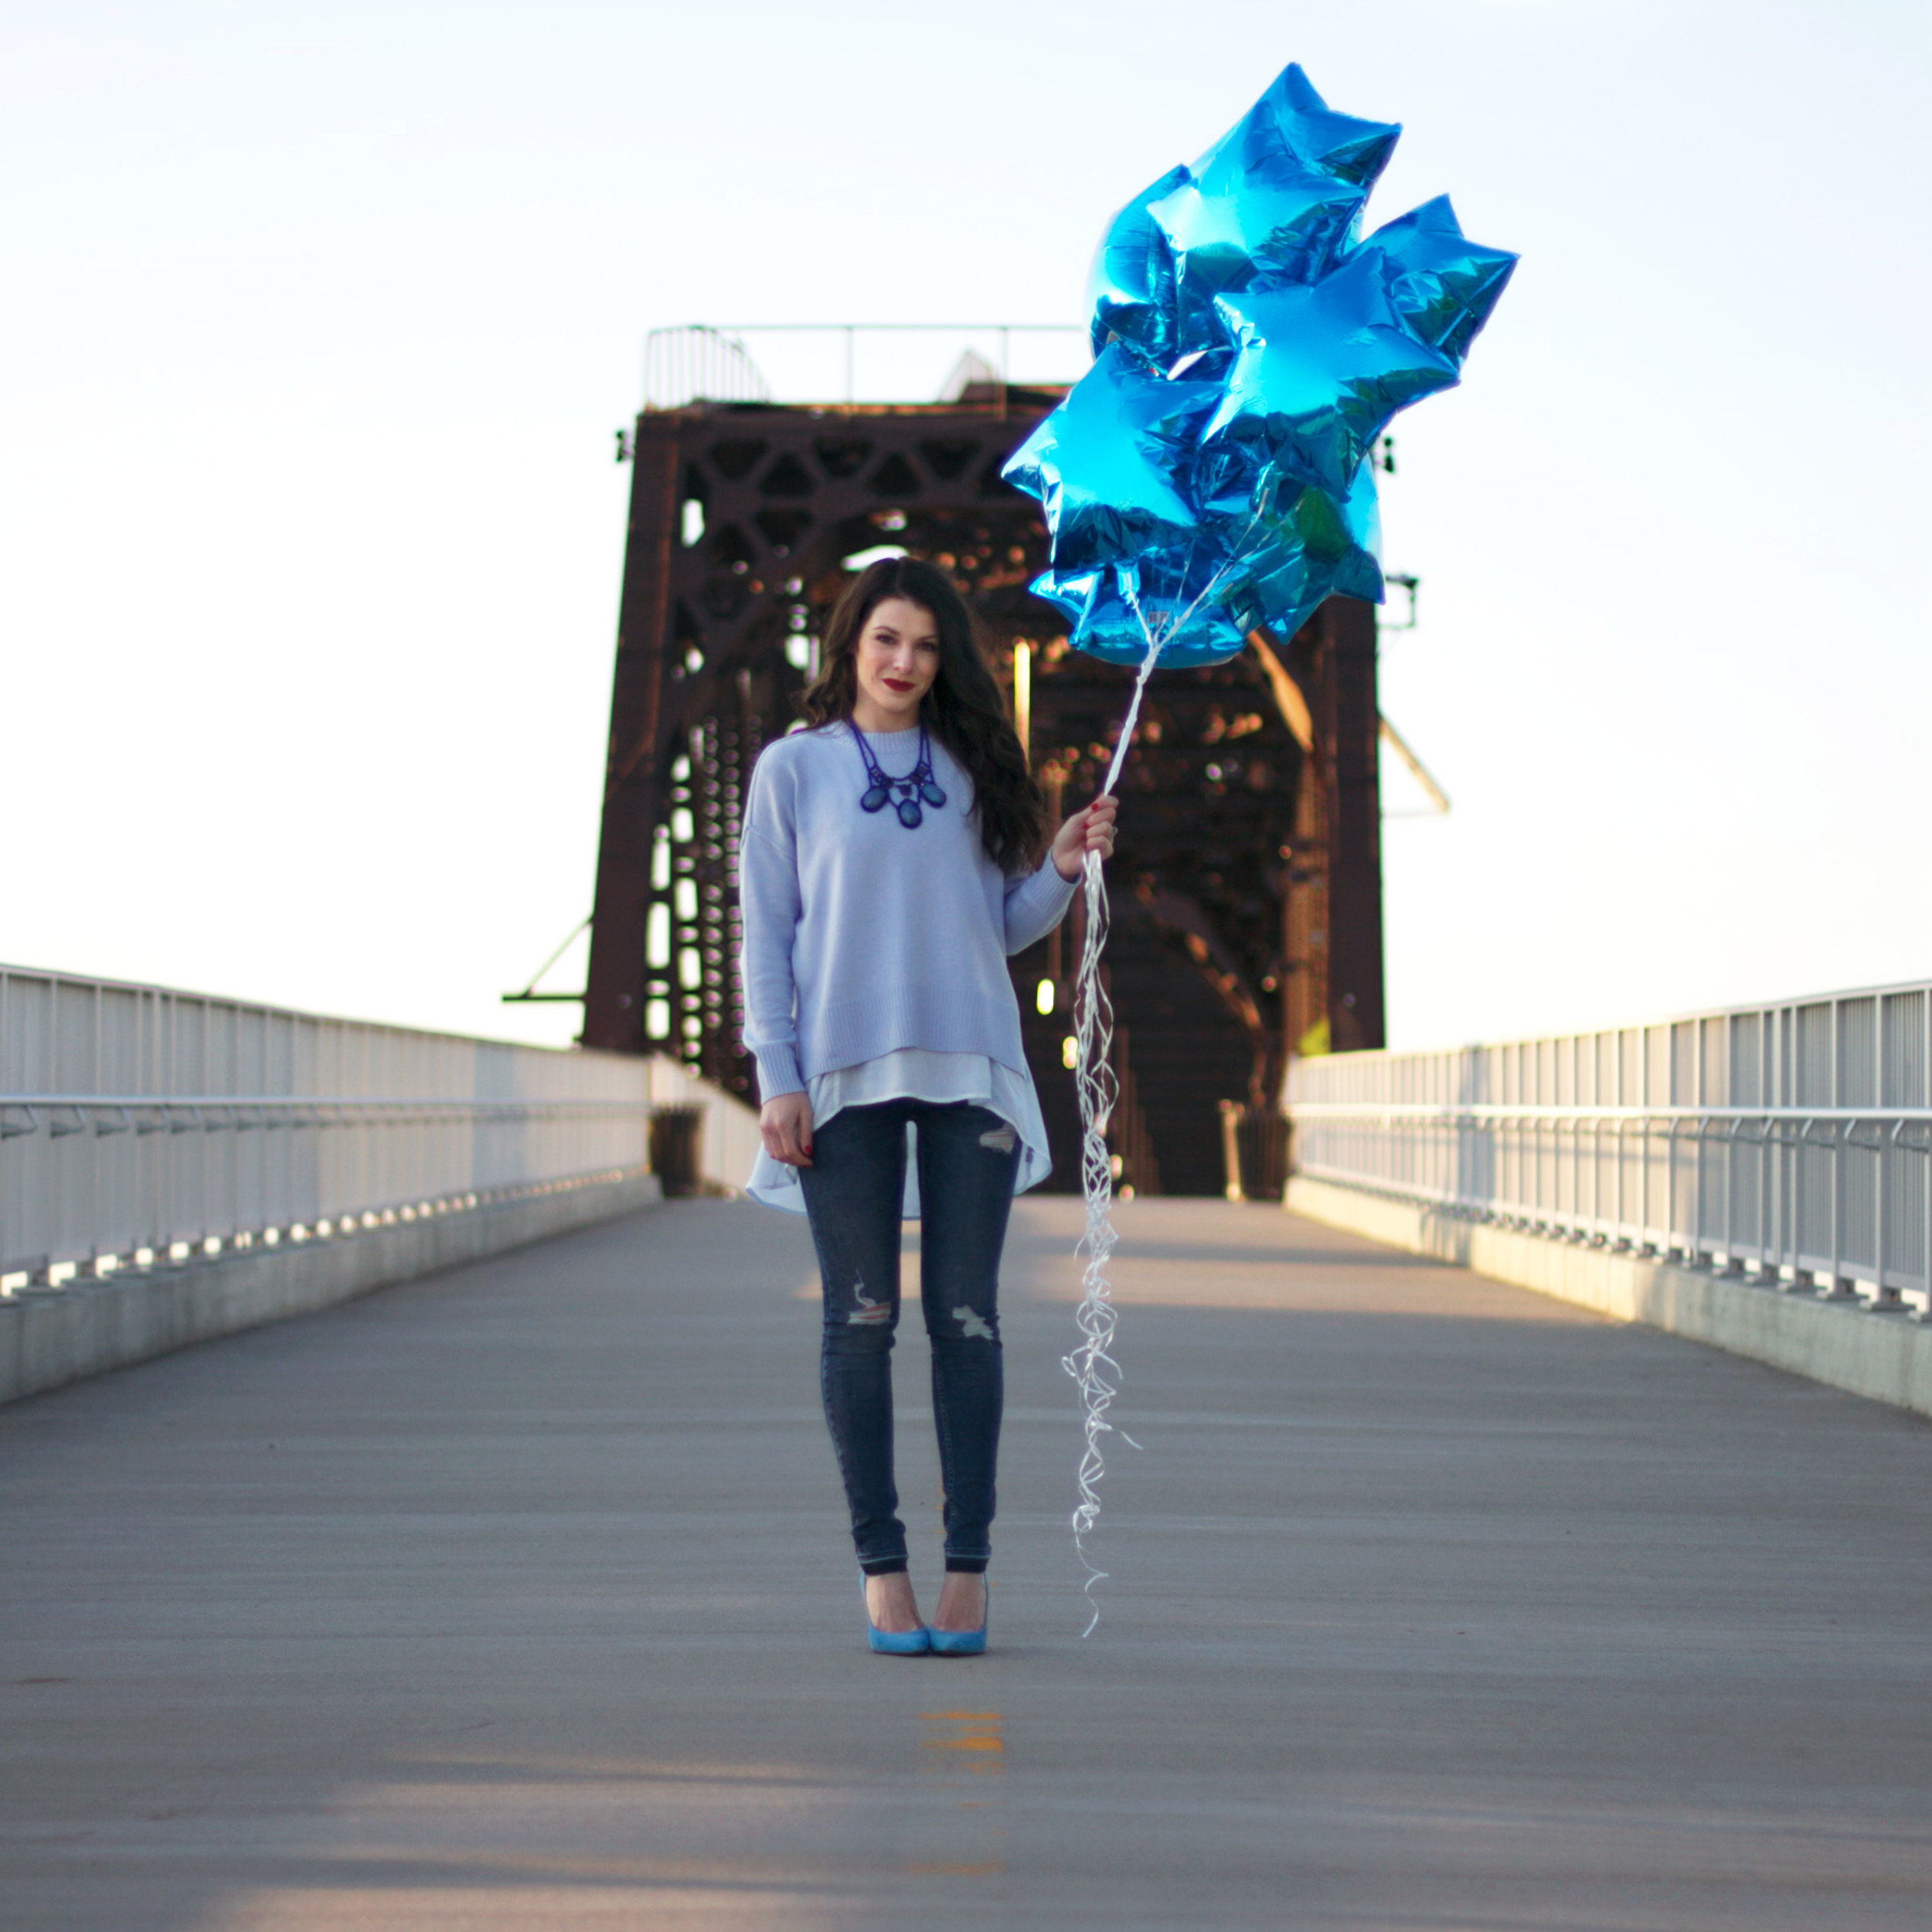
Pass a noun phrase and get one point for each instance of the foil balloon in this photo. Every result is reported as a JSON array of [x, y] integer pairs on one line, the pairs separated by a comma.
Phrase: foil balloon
[[1130, 290], [1111, 465], [1306, 546], [1277, 197], [1443, 285], [1110, 612], [1320, 369], [1213, 471]]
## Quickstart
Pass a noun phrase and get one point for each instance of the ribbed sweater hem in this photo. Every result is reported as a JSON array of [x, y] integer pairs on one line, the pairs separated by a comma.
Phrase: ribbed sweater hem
[[942, 1020]]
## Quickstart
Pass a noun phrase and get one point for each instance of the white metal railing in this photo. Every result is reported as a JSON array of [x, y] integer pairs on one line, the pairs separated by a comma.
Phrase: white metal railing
[[813, 362], [1794, 1138], [141, 1125]]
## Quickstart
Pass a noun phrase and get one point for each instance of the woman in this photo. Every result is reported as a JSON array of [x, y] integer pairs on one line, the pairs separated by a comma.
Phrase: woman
[[894, 853]]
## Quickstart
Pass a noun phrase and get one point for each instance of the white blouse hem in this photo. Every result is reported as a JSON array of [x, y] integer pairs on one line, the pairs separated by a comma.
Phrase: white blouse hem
[[913, 1073]]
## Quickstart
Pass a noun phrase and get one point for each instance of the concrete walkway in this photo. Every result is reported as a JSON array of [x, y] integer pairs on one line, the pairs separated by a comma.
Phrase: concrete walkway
[[518, 1598]]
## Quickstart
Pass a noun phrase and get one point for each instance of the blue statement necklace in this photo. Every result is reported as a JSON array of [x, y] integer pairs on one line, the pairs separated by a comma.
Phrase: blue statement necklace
[[881, 789]]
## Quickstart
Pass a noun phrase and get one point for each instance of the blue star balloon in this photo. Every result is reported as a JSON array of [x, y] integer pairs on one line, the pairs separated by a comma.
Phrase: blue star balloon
[[1132, 287], [1278, 196], [1443, 286], [1292, 127], [1212, 472], [1283, 188], [1110, 466], [1305, 547], [1320, 369]]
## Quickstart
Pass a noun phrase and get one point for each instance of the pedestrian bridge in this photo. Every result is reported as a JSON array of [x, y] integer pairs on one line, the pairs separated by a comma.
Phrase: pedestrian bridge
[[515, 1594]]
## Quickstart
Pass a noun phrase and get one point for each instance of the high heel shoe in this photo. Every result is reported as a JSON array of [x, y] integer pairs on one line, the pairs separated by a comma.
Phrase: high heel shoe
[[964, 1643], [893, 1643]]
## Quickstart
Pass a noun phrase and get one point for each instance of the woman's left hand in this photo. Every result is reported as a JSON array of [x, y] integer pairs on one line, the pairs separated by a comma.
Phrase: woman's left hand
[[1088, 830]]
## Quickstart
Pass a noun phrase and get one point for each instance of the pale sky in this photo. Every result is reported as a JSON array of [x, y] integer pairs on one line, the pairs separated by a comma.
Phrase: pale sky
[[319, 319]]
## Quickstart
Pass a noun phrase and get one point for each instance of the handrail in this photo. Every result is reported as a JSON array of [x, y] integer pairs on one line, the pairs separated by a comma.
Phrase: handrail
[[1453, 1112], [1793, 1138], [143, 1121], [112, 1103]]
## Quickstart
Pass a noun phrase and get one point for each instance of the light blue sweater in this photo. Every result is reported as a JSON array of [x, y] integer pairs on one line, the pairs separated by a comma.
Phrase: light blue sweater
[[861, 936]]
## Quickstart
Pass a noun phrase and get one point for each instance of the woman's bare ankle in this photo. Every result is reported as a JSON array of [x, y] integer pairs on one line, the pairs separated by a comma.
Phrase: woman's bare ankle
[[962, 1601], [890, 1605]]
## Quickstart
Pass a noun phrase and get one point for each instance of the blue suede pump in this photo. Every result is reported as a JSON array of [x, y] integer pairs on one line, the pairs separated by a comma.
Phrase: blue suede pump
[[896, 1643], [964, 1643]]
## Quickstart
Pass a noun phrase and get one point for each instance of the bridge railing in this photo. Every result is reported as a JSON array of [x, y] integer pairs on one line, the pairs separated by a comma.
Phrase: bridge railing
[[141, 1125], [1793, 1138]]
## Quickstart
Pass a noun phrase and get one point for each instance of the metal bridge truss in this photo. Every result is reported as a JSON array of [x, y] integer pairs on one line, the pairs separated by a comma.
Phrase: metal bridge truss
[[1247, 886]]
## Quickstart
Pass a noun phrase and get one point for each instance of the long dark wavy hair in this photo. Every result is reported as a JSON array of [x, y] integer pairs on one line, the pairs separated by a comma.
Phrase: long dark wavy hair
[[964, 710]]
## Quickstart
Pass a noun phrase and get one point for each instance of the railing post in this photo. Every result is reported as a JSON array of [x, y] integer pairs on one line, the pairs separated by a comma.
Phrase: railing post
[[1733, 1263], [1793, 1233], [1644, 1244], [1694, 1250], [1925, 1219], [1888, 1298], [1837, 1287], [1624, 1220]]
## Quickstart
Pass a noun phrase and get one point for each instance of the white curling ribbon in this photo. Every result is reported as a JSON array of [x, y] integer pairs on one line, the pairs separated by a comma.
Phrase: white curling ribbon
[[1092, 1362], [1098, 1088]]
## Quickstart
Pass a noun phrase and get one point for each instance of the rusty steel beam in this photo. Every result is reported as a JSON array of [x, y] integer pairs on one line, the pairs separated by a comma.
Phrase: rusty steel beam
[[613, 1007], [1332, 918], [1356, 1017]]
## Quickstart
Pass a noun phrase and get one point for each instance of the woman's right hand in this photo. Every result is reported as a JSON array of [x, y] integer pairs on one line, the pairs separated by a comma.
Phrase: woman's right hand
[[784, 1123]]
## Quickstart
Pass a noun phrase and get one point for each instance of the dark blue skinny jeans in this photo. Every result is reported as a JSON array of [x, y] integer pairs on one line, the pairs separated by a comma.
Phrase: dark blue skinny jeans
[[853, 1191]]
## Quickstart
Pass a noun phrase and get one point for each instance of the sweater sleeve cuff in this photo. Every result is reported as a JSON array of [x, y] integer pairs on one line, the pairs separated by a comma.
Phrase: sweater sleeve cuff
[[778, 1071], [1038, 904]]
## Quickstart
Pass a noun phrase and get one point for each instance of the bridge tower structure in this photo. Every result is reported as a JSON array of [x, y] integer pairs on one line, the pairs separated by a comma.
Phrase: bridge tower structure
[[1246, 891]]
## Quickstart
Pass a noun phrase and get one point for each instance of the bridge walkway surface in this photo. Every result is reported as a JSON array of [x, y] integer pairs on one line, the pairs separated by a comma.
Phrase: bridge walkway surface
[[518, 1598]]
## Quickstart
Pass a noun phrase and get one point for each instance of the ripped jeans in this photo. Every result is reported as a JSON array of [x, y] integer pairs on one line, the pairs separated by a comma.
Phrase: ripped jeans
[[854, 1190]]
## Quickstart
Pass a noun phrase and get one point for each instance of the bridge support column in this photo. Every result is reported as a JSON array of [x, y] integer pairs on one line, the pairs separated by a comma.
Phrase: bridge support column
[[614, 999], [1333, 916]]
